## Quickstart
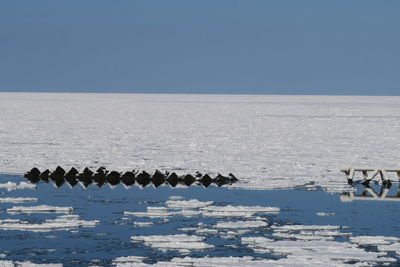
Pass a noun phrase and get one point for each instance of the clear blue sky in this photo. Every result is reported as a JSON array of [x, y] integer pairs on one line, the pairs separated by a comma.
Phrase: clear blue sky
[[249, 46]]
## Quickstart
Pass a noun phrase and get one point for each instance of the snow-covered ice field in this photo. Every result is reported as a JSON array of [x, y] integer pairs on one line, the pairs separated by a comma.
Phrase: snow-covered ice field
[[266, 141]]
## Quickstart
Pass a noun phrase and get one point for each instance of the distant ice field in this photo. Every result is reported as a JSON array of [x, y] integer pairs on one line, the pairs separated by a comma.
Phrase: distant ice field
[[266, 141]]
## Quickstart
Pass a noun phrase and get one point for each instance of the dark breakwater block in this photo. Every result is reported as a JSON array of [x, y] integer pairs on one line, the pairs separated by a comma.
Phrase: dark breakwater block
[[102, 176], [44, 176], [158, 178], [143, 178], [128, 178], [33, 175]]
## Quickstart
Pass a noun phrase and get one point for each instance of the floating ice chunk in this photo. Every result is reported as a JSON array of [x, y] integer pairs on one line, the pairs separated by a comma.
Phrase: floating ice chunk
[[168, 238], [324, 251], [17, 199], [13, 186], [206, 231], [27, 264], [39, 209], [162, 212], [241, 224], [175, 197], [302, 236], [129, 259], [180, 242], [237, 211], [143, 224], [392, 247], [64, 222], [298, 227], [233, 234], [187, 204], [255, 209], [373, 240], [326, 214], [152, 212], [334, 233]]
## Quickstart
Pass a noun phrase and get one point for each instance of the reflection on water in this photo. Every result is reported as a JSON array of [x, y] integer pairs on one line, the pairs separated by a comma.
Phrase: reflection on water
[[370, 192], [219, 217]]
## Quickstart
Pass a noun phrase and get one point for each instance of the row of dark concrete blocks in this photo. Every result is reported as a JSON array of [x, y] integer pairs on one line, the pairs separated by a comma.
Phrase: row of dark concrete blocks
[[102, 176]]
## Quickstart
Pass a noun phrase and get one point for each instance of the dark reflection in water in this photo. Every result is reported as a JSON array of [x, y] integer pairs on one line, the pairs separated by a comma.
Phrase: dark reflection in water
[[373, 191], [111, 237]]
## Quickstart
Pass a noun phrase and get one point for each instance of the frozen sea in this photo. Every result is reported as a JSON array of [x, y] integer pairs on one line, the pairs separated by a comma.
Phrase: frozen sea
[[291, 206], [267, 141]]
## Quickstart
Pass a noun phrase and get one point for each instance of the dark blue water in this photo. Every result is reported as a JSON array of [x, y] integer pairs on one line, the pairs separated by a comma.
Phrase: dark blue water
[[111, 238]]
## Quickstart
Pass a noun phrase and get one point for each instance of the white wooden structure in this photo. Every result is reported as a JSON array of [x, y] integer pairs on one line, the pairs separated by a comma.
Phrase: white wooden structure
[[370, 173]]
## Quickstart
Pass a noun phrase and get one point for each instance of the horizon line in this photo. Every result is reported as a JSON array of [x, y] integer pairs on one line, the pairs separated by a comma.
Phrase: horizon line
[[188, 93]]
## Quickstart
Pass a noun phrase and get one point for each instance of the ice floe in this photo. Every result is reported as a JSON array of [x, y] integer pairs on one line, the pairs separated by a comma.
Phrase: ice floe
[[187, 204], [17, 199], [326, 214], [13, 186], [39, 209], [5, 263], [240, 224], [395, 247], [180, 242], [63, 222], [324, 251], [143, 224], [194, 207], [297, 227], [128, 260], [237, 211], [373, 240]]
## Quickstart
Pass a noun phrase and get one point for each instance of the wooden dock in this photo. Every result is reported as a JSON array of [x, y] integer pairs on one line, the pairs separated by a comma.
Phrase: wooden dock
[[369, 173]]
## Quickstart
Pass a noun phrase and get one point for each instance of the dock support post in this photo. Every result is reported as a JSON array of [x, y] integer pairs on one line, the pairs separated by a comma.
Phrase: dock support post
[[372, 175]]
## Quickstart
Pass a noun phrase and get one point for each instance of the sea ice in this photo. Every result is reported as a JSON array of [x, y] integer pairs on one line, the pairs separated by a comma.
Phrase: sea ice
[[373, 240], [297, 227], [143, 224], [13, 186], [17, 199], [241, 224], [237, 211], [187, 204], [266, 141], [39, 209], [179, 242], [64, 222], [326, 214]]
